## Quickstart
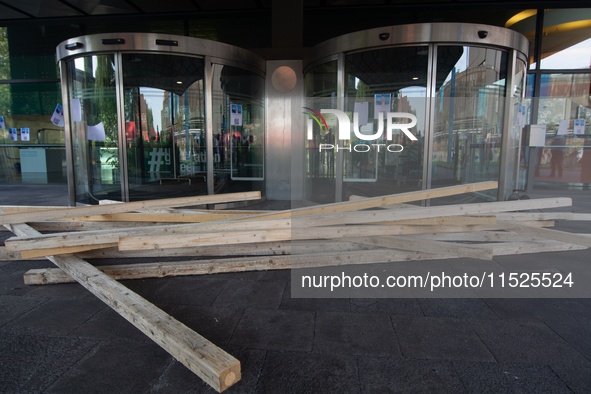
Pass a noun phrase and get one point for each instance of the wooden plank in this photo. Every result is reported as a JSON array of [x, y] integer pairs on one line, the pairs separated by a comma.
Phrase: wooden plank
[[448, 220], [479, 236], [157, 217], [28, 208], [374, 202], [225, 265], [31, 254], [582, 216], [529, 216], [513, 248], [248, 237], [15, 218], [426, 245], [63, 226], [546, 233], [210, 363], [103, 237]]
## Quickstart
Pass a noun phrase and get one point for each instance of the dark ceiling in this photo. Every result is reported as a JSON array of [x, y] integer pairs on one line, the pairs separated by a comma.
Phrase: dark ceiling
[[11, 10]]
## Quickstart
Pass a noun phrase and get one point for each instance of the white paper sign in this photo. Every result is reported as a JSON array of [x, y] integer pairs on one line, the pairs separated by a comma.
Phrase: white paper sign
[[25, 134], [75, 110], [579, 126], [2, 125], [12, 134], [58, 116], [537, 135], [236, 114], [362, 110], [562, 127], [381, 104], [96, 133]]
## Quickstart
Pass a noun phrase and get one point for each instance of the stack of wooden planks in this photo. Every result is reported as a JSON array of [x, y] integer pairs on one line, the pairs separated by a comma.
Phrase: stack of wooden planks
[[360, 231]]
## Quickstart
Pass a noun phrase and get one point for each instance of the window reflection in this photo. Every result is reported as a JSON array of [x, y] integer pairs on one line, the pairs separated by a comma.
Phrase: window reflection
[[468, 115], [566, 39]]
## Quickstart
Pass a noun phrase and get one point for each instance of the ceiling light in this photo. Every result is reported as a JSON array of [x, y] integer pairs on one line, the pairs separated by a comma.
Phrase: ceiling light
[[415, 78], [179, 82]]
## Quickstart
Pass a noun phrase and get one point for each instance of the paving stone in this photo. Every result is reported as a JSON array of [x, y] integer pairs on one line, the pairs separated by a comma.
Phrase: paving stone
[[109, 325], [300, 372], [274, 330], [214, 323], [524, 342], [56, 317], [577, 308], [11, 276], [146, 287], [577, 377], [509, 378], [179, 379], [392, 306], [30, 363], [457, 308], [189, 290], [245, 293], [119, 366], [12, 307], [395, 375], [61, 291], [275, 275], [578, 335], [313, 304], [440, 338], [353, 333], [528, 309], [247, 275]]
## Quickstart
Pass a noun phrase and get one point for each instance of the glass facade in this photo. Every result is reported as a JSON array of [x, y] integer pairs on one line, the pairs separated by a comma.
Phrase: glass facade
[[395, 78], [32, 148], [457, 94], [164, 125], [469, 115], [94, 132], [146, 125], [239, 130]]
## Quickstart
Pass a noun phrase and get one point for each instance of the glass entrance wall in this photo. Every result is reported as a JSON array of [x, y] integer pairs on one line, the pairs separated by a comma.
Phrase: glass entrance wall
[[469, 111], [453, 78], [238, 128], [93, 123], [164, 125], [136, 121], [385, 80]]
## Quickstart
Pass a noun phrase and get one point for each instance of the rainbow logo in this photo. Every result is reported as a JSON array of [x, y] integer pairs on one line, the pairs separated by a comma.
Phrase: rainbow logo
[[317, 117]]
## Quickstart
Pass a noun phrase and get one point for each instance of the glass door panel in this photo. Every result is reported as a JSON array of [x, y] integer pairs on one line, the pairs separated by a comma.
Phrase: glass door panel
[[95, 141], [382, 81], [469, 108], [238, 130], [164, 126], [320, 166]]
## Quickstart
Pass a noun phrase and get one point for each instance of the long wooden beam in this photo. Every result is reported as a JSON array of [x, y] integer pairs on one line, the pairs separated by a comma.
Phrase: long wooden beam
[[216, 367], [375, 202], [15, 218], [426, 245], [225, 265], [563, 236], [55, 241]]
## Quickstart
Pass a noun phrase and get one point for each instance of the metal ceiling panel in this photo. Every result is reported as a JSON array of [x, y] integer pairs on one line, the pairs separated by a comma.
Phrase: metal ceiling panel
[[227, 5], [9, 13], [103, 7], [43, 8], [159, 6]]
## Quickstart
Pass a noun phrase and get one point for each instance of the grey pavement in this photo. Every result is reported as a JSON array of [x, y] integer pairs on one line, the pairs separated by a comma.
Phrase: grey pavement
[[61, 339]]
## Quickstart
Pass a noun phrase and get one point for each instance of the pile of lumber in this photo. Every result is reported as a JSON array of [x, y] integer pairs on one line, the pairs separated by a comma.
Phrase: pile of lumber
[[360, 231]]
